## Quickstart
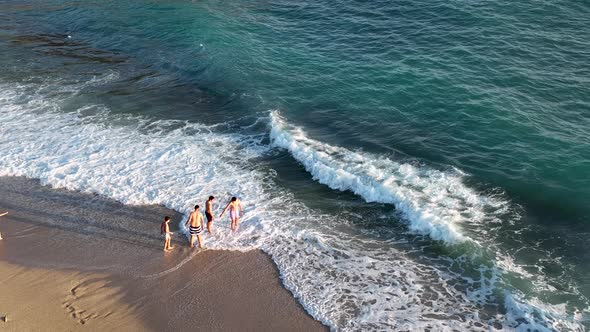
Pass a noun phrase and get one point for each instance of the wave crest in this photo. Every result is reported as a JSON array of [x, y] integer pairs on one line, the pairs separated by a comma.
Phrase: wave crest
[[434, 203]]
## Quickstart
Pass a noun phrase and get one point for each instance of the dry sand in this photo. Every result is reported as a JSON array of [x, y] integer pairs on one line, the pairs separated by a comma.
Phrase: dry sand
[[72, 261]]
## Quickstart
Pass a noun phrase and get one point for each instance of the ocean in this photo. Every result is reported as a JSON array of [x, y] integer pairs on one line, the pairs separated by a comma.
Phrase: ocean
[[408, 165]]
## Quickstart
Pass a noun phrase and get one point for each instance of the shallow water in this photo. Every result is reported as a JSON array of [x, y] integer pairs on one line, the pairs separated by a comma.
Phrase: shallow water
[[406, 164]]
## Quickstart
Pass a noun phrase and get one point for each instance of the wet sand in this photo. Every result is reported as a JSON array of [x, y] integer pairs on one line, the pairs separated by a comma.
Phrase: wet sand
[[72, 261]]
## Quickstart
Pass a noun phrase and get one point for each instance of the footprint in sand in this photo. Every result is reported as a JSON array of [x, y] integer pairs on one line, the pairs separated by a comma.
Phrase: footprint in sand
[[89, 300]]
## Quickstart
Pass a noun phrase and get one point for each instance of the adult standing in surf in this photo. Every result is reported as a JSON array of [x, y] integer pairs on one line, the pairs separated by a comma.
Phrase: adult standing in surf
[[195, 227], [209, 213], [235, 207]]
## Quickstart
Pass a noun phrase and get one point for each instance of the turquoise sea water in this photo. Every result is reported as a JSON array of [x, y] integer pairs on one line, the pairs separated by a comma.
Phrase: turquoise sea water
[[452, 135]]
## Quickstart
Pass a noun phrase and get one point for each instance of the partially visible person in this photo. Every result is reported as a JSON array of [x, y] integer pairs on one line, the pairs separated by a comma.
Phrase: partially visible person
[[195, 227], [165, 230], [235, 207], [209, 213], [2, 214]]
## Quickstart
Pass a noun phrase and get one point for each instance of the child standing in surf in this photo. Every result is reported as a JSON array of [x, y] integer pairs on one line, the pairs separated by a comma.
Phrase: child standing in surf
[[165, 230]]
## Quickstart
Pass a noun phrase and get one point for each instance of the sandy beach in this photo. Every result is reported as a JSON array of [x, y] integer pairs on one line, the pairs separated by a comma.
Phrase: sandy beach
[[72, 261]]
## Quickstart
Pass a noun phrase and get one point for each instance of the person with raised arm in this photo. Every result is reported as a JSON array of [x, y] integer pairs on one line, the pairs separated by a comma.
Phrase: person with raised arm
[[235, 207]]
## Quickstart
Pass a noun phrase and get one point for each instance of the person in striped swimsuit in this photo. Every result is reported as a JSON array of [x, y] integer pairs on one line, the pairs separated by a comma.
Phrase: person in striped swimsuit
[[195, 227]]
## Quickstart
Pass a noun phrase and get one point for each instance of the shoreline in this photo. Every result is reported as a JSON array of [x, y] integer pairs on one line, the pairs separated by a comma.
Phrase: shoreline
[[73, 261]]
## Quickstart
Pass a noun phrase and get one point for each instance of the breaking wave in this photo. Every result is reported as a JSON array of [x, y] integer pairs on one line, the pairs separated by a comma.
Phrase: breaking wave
[[434, 203], [347, 282]]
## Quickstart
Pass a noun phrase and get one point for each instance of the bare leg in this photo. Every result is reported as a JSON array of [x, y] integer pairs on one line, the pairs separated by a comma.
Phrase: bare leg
[[192, 241], [234, 224], [200, 241], [209, 227]]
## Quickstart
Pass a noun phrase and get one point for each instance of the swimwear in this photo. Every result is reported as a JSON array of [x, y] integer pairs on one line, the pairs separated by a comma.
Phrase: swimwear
[[209, 216], [195, 230], [168, 236], [233, 214]]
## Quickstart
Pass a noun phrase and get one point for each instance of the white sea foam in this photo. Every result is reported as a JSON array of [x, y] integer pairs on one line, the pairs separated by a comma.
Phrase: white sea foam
[[347, 282], [435, 203], [534, 315], [163, 165]]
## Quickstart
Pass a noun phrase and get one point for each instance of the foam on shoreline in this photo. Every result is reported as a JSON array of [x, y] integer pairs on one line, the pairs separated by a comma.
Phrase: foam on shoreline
[[346, 282], [76, 261]]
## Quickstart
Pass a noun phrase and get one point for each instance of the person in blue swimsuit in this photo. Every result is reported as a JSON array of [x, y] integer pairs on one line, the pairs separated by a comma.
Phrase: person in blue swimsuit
[[195, 227]]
